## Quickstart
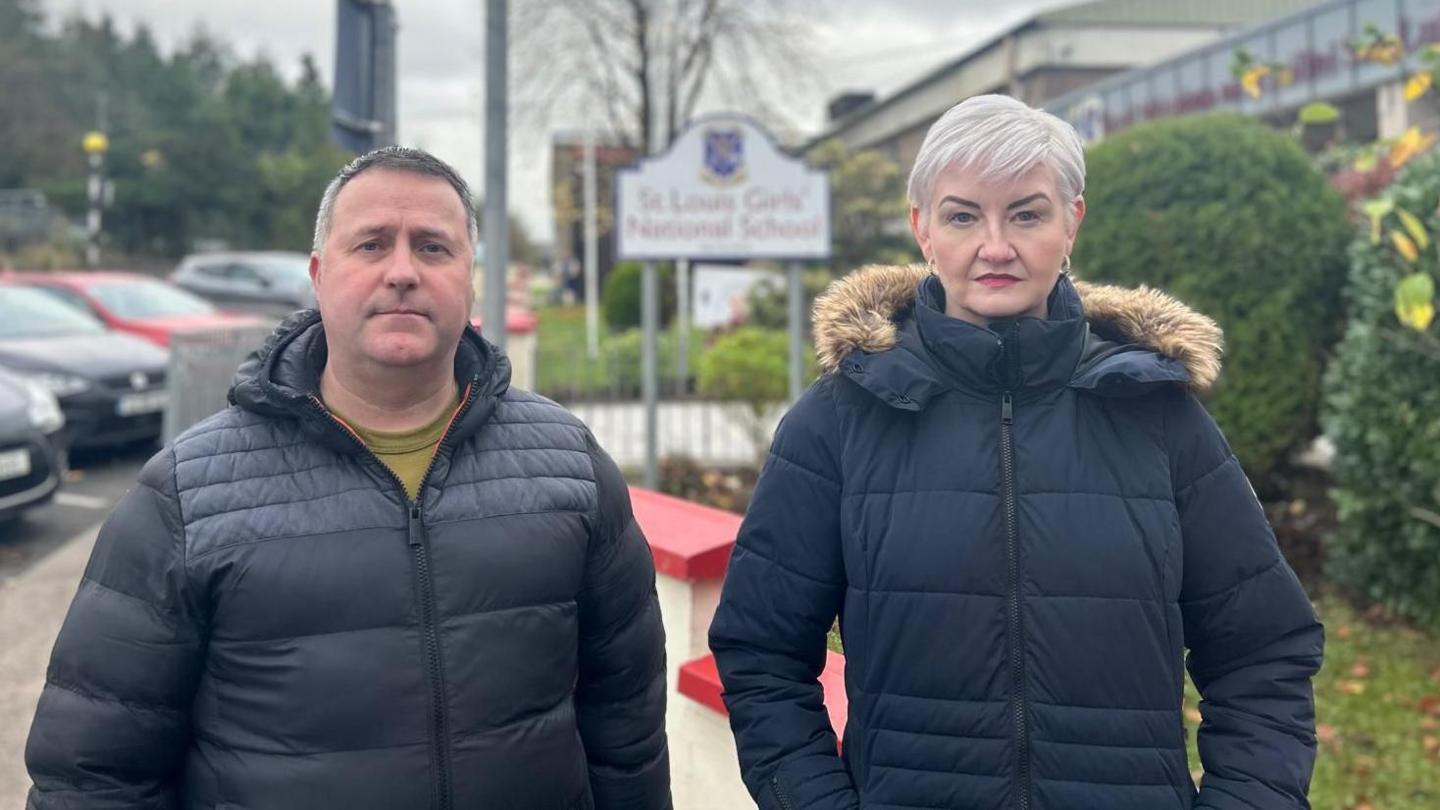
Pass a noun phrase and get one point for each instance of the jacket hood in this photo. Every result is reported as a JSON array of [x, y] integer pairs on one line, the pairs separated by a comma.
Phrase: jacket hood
[[864, 310]]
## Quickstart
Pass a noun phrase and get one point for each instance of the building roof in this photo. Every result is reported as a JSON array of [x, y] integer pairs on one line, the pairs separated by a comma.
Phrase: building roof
[[1219, 14]]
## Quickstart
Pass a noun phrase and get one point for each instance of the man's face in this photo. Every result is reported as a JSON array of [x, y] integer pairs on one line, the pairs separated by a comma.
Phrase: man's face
[[393, 279]]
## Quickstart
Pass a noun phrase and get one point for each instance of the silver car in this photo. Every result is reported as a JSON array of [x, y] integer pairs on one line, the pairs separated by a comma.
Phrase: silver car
[[273, 283]]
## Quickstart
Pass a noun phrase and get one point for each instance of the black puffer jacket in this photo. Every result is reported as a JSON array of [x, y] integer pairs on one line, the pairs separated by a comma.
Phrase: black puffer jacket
[[267, 623], [1022, 529]]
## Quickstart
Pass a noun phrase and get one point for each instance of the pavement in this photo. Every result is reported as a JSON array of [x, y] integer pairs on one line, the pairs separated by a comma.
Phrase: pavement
[[42, 556]]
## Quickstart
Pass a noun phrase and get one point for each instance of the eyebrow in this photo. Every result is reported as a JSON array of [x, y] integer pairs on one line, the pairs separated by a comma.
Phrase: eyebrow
[[1039, 195], [420, 232]]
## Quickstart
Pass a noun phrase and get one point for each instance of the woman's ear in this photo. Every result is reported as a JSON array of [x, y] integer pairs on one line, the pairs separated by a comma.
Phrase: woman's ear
[[1077, 213], [921, 229]]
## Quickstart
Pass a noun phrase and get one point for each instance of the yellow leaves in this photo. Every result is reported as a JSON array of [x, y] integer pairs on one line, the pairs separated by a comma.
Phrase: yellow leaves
[[1418, 85], [1415, 301], [1408, 145], [1377, 210], [1193, 715], [1414, 227], [1250, 79], [1405, 246]]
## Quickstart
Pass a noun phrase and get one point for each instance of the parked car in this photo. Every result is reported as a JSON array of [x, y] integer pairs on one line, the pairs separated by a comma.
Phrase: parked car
[[270, 282], [111, 386], [31, 445], [142, 306]]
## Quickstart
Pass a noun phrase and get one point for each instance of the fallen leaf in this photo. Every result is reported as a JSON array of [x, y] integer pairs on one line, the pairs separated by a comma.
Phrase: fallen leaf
[[1430, 704], [1344, 631], [1360, 669], [1431, 743], [1351, 687], [1363, 766], [1327, 734], [1193, 715], [1429, 724]]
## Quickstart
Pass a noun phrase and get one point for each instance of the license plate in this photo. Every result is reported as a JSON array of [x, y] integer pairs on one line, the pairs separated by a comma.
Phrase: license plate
[[14, 464], [148, 402]]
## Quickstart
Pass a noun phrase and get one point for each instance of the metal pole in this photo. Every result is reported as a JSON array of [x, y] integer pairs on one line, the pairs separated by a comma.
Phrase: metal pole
[[497, 224], [682, 323], [592, 270], [650, 321], [92, 219], [797, 329]]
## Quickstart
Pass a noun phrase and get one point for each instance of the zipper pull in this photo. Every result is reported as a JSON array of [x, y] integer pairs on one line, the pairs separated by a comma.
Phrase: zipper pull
[[1007, 413], [417, 529]]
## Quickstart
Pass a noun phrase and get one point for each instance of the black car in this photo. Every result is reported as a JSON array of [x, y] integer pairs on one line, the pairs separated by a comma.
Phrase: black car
[[31, 445], [111, 385]]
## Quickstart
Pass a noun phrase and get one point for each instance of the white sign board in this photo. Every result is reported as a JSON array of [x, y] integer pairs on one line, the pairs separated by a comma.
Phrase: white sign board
[[723, 191], [721, 292]]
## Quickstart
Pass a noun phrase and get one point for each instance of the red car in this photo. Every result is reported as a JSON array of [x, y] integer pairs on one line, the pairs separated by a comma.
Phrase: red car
[[127, 302]]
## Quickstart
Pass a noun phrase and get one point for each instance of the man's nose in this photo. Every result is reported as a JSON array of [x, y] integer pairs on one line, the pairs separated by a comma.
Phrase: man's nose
[[401, 271]]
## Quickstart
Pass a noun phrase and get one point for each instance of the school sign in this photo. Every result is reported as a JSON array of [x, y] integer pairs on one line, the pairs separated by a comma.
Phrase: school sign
[[723, 191]]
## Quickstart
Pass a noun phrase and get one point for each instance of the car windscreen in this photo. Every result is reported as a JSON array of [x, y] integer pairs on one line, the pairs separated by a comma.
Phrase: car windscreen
[[31, 313], [137, 300]]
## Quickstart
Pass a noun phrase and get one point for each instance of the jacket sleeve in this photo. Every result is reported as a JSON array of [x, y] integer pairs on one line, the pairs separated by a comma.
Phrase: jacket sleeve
[[784, 587], [620, 694], [113, 723], [1253, 637]]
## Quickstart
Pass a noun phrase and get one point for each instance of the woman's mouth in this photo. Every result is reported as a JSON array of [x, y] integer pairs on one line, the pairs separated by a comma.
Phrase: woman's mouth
[[997, 280]]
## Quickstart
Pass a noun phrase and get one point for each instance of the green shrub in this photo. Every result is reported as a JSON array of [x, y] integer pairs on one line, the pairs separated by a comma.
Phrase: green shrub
[[752, 366], [1232, 218], [620, 299], [1382, 410], [621, 355]]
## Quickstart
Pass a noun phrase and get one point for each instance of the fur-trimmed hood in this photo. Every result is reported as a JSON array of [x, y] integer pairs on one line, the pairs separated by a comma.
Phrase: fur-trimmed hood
[[861, 311]]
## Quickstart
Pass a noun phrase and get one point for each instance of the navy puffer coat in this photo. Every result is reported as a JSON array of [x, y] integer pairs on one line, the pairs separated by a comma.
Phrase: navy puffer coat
[[268, 623], [1022, 530]]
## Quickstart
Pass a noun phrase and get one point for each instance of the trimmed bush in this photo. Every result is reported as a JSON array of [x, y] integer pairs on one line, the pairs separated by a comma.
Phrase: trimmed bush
[[751, 365], [1382, 410], [1232, 218], [620, 299]]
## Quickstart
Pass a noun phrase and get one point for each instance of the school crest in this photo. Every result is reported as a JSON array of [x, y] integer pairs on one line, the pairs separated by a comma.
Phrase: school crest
[[724, 157]]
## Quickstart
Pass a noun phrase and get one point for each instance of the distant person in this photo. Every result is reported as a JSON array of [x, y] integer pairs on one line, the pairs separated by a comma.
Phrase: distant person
[[381, 579], [1006, 489]]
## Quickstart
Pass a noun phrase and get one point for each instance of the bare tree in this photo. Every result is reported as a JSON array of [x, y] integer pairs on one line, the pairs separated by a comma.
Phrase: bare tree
[[645, 67]]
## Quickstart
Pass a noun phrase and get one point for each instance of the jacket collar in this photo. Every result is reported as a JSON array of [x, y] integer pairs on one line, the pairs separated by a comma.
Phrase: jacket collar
[[882, 327], [282, 379]]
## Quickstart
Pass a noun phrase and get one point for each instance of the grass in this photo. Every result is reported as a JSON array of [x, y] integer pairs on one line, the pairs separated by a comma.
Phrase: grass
[[1377, 706]]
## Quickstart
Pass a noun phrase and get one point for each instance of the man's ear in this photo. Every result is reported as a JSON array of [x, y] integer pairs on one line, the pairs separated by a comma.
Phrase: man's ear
[[314, 268]]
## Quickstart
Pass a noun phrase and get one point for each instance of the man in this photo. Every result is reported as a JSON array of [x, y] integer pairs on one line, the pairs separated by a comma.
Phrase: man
[[381, 579]]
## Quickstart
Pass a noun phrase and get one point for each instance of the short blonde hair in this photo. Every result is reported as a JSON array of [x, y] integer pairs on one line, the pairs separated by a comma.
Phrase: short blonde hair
[[1005, 138]]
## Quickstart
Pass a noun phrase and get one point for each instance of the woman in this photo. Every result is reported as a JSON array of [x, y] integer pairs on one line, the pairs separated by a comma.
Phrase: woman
[[1008, 493]]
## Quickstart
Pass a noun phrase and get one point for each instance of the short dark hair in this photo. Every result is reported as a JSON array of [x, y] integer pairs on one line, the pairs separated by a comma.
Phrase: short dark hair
[[395, 159]]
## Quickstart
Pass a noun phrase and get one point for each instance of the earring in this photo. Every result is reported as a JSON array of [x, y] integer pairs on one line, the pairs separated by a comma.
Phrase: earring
[[1065, 266]]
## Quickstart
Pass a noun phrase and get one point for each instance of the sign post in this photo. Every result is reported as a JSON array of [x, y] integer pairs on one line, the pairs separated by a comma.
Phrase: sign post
[[723, 191]]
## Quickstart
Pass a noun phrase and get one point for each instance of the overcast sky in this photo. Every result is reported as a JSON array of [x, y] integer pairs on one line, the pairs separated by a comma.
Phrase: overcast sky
[[860, 44]]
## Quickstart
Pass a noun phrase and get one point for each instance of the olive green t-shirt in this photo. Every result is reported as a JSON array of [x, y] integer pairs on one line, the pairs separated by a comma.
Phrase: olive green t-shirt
[[407, 454]]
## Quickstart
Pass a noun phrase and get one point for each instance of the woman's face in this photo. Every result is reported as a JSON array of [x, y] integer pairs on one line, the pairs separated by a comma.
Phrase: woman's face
[[996, 245]]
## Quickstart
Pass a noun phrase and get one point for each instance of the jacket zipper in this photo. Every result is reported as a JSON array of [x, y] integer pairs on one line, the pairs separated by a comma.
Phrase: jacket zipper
[[439, 736], [1015, 620], [780, 795]]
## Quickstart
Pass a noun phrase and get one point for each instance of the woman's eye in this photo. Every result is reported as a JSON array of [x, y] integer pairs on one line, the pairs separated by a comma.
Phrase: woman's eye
[[962, 217], [1027, 216]]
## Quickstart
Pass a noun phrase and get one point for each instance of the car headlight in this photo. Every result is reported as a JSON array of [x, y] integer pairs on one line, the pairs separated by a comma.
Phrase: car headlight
[[60, 385], [44, 411]]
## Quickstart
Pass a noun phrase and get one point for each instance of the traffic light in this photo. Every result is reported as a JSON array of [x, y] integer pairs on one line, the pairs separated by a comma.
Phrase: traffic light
[[362, 110]]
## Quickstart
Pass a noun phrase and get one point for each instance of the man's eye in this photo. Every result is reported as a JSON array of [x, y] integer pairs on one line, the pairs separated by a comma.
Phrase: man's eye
[[435, 248], [370, 246]]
